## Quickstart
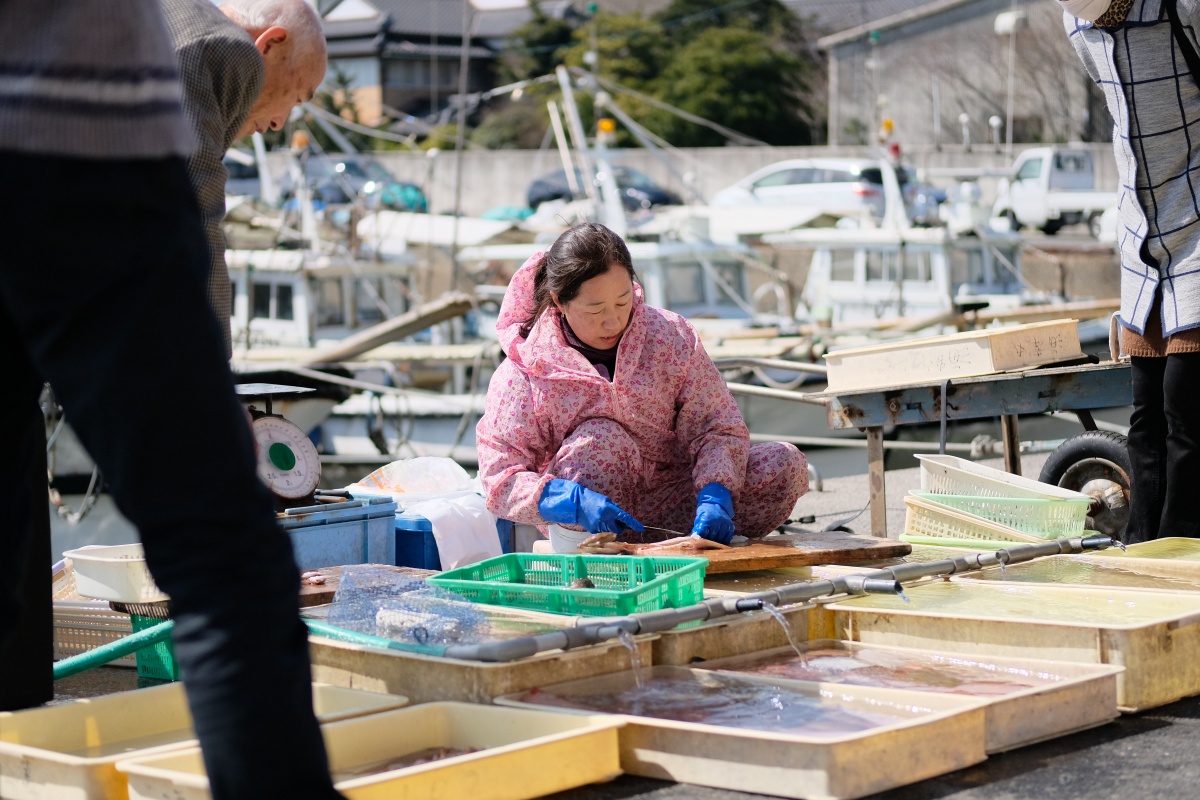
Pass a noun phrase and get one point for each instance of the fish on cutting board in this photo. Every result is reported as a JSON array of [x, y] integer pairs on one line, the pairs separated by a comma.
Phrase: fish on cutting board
[[611, 544]]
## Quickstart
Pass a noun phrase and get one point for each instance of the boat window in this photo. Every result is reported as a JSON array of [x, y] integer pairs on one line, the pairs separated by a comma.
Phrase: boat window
[[841, 265], [732, 275], [966, 266], [1030, 169], [370, 302], [261, 307], [881, 265], [330, 310], [685, 285], [283, 302], [916, 265]]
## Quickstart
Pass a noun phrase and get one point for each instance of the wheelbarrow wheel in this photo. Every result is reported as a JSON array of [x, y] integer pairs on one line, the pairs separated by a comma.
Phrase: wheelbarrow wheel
[[1097, 464]]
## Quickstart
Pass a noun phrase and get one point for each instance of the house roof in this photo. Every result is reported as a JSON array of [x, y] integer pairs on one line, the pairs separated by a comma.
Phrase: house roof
[[892, 21]]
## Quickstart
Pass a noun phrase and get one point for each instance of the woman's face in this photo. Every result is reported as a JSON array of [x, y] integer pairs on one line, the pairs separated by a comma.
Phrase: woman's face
[[600, 312]]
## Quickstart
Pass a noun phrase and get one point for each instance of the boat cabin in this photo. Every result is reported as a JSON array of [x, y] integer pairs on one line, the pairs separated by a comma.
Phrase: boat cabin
[[294, 298]]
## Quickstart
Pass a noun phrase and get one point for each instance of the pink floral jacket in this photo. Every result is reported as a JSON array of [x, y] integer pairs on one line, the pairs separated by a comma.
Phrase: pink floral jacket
[[666, 392]]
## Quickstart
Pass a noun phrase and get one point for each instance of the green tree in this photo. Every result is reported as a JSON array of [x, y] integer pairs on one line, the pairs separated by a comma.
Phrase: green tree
[[536, 46], [733, 76], [516, 124], [631, 49], [693, 17]]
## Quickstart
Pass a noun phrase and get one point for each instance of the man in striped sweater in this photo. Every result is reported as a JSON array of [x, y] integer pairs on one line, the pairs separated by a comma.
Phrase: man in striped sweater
[[102, 293]]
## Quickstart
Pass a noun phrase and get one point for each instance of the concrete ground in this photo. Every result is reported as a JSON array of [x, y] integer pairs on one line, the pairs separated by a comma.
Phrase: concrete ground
[[1155, 754]]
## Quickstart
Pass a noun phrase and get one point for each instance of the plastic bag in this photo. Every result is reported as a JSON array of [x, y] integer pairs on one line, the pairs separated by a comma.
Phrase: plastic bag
[[440, 490], [416, 479]]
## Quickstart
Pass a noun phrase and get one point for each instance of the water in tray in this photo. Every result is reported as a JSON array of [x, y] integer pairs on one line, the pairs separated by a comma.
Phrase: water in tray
[[1066, 570], [426, 756], [1173, 548], [720, 700], [922, 672], [1099, 606]]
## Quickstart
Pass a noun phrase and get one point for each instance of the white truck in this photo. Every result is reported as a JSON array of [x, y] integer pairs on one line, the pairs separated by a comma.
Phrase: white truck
[[1051, 187]]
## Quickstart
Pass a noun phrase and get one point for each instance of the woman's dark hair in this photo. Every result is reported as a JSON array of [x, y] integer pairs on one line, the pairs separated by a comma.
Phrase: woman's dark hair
[[578, 255]]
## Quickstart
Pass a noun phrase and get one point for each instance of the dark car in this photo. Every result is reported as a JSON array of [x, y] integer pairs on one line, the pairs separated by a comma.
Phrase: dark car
[[338, 182], [638, 191]]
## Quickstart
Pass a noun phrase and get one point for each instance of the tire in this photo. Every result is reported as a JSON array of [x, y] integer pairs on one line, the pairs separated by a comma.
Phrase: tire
[[1093, 223], [1014, 224], [1052, 227], [1095, 463]]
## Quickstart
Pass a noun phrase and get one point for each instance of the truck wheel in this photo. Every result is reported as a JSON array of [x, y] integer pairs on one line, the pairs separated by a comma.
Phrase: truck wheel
[[1093, 223], [1097, 464], [1052, 227], [1014, 224]]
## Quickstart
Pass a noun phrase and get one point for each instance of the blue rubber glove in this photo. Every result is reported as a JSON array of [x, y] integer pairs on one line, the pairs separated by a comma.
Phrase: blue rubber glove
[[714, 514], [567, 503]]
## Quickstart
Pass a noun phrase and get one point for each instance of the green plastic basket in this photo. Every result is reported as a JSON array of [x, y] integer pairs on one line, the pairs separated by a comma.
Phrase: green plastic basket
[[624, 584], [157, 661]]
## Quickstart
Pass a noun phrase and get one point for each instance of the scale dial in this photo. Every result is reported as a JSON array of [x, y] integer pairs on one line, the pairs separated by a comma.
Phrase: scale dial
[[287, 460]]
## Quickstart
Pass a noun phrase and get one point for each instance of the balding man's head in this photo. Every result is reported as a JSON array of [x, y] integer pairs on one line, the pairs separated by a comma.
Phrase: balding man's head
[[288, 34]]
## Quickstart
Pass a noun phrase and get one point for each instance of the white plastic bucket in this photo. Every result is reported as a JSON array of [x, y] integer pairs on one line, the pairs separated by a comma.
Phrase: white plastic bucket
[[564, 540]]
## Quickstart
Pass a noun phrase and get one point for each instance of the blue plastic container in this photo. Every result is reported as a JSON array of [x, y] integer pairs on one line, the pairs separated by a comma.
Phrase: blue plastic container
[[358, 531], [416, 547]]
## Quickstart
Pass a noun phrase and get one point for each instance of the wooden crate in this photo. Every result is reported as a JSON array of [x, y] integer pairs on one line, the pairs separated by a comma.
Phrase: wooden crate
[[956, 355]]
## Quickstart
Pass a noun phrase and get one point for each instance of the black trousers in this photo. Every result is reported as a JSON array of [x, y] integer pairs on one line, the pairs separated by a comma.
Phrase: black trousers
[[1164, 447], [102, 294]]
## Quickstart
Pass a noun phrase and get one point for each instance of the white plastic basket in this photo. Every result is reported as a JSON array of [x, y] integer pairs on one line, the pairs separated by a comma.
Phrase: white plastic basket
[[1048, 519], [81, 625], [929, 519], [952, 475], [114, 572]]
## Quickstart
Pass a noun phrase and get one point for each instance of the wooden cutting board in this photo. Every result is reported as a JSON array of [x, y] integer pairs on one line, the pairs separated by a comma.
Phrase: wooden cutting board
[[801, 550]]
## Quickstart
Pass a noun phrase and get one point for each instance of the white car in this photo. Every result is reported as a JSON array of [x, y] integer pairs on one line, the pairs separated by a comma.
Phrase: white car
[[831, 184]]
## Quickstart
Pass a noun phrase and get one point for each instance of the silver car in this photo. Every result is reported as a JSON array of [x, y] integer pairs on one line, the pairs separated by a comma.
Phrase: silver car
[[830, 184]]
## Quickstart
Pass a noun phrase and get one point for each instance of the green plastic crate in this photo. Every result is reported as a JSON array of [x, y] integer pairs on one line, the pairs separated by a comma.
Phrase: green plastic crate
[[624, 584], [157, 661]]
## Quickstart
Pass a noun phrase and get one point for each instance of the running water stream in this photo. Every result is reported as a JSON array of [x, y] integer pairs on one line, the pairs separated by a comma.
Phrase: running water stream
[[787, 629], [635, 657]]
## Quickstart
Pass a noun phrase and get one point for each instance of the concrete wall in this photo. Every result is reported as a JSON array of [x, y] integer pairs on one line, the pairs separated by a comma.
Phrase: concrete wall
[[499, 177]]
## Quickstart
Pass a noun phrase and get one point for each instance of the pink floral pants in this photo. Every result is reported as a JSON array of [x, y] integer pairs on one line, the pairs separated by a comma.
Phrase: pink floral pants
[[602, 456]]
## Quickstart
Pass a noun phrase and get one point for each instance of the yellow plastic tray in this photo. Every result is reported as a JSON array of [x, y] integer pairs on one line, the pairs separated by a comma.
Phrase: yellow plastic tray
[[1071, 697], [425, 679], [742, 633], [520, 754], [69, 751], [1154, 635], [940, 734]]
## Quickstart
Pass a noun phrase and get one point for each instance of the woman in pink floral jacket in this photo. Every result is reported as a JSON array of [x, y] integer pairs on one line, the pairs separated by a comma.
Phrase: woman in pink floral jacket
[[609, 412]]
